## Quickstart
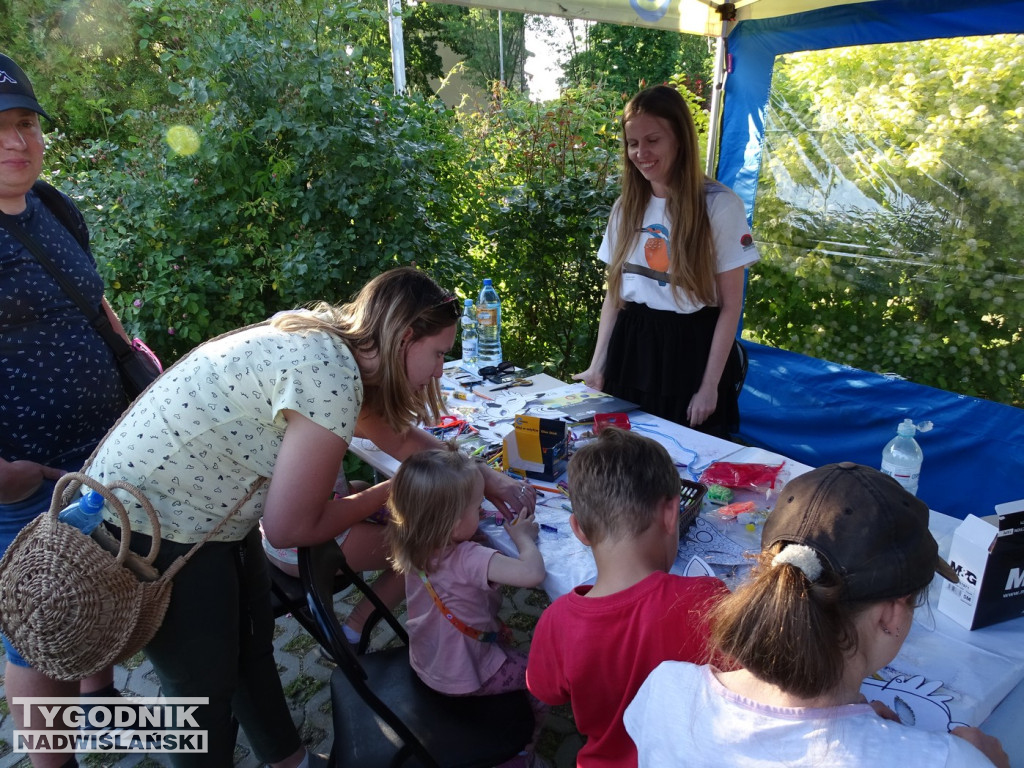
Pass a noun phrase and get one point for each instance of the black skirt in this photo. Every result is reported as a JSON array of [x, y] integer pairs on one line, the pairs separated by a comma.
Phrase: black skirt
[[656, 359]]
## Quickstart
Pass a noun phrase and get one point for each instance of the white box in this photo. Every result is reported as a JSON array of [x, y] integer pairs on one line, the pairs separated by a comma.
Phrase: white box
[[989, 560]]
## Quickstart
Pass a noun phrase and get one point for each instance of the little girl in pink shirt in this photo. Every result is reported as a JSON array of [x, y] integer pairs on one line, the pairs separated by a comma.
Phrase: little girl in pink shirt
[[457, 643]]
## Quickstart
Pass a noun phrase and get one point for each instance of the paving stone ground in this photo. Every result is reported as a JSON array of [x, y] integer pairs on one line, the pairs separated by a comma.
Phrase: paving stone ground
[[305, 677]]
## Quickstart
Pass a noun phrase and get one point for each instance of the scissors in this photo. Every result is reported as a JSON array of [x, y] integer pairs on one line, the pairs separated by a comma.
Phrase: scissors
[[513, 383]]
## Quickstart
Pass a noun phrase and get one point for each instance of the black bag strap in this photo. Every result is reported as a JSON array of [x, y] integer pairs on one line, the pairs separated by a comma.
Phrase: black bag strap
[[66, 213], [95, 315]]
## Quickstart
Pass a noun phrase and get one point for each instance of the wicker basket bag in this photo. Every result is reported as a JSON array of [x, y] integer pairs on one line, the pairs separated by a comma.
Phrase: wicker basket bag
[[73, 604]]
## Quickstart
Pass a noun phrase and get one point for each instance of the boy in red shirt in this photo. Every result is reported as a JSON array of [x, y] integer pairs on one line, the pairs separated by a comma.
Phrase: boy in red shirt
[[597, 644]]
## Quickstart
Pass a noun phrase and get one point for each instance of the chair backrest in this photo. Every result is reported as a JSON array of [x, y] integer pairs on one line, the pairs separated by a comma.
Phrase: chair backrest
[[741, 351], [288, 597], [384, 715]]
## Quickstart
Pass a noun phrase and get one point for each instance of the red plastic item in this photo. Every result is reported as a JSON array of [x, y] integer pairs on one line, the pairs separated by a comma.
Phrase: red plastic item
[[602, 420], [756, 476], [737, 508]]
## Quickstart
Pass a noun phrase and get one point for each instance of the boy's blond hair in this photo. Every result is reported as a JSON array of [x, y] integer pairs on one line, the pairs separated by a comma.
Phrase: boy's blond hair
[[428, 495], [617, 482]]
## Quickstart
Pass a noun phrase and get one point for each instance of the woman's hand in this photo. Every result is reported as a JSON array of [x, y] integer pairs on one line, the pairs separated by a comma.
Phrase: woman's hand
[[509, 496], [20, 479], [702, 405], [592, 378]]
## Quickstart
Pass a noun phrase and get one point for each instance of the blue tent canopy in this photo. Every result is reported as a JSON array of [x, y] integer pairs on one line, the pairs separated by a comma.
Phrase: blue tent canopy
[[817, 411]]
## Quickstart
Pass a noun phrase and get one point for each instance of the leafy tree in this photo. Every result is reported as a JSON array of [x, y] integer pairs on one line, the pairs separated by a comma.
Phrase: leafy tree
[[888, 213], [626, 59], [303, 177], [86, 60], [473, 34], [547, 175]]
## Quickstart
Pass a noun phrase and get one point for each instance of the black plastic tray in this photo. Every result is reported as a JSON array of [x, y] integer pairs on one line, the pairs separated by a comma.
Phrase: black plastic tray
[[691, 496]]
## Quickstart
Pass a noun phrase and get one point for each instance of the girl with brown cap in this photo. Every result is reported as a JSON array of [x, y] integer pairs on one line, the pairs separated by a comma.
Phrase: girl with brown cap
[[846, 556]]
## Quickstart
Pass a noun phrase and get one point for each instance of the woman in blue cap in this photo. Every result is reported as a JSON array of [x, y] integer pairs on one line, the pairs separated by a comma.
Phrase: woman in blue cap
[[61, 388]]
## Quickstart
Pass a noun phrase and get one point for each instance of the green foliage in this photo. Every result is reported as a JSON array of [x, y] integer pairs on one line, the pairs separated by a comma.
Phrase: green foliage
[[888, 213], [547, 178], [84, 60], [310, 177], [473, 34], [627, 59]]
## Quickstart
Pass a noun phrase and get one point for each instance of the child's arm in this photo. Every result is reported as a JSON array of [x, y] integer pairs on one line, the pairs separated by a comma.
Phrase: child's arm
[[528, 570]]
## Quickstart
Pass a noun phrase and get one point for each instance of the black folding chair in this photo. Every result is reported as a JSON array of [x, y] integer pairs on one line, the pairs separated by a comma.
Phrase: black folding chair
[[383, 714], [287, 596], [741, 351]]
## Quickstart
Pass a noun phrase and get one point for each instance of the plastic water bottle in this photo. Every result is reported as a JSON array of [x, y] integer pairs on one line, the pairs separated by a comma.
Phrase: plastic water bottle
[[85, 514], [469, 334], [488, 319], [902, 456]]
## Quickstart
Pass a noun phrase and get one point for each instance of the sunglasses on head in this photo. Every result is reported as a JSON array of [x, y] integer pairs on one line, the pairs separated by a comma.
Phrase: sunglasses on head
[[449, 300]]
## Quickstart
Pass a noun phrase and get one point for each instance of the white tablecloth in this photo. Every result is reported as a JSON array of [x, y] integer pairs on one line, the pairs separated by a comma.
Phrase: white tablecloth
[[944, 674]]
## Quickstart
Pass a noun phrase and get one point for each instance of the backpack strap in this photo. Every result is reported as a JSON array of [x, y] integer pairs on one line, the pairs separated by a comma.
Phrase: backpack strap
[[65, 211]]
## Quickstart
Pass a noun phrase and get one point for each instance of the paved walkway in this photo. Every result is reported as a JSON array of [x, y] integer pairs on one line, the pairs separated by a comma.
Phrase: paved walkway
[[305, 676]]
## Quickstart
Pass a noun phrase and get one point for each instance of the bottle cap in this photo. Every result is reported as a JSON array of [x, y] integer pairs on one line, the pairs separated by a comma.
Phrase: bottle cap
[[92, 500], [907, 428], [487, 281], [468, 303]]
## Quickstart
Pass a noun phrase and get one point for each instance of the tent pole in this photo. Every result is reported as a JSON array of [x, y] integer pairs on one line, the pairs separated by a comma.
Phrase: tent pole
[[397, 44], [501, 53], [715, 112]]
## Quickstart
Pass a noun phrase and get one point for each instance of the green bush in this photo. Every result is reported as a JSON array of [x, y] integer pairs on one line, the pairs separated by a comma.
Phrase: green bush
[[887, 213], [547, 178], [307, 180]]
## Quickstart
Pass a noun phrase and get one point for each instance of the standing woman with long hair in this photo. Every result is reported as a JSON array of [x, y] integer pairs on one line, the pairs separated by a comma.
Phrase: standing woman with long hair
[[676, 246], [283, 401]]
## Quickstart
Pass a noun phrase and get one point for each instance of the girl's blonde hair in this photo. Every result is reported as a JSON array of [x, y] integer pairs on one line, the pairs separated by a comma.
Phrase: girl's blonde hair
[[429, 493], [692, 262], [374, 324]]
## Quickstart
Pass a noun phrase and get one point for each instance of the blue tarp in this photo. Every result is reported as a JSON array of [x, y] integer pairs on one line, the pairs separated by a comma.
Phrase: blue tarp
[[817, 411]]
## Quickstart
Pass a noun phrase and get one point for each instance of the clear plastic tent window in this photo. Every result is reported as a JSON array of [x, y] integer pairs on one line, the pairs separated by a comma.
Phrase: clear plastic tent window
[[888, 212]]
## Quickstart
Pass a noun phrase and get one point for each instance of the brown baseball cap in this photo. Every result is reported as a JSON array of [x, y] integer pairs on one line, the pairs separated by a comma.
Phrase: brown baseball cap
[[865, 525], [16, 90]]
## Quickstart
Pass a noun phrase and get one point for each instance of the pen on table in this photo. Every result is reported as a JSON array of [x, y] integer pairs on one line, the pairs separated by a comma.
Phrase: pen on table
[[548, 528]]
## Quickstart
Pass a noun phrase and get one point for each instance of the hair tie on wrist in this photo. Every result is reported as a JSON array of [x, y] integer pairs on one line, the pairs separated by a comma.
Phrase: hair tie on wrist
[[802, 557]]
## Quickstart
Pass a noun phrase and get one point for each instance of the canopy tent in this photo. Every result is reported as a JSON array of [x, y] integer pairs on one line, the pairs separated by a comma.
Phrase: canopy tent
[[690, 16], [814, 410], [817, 411]]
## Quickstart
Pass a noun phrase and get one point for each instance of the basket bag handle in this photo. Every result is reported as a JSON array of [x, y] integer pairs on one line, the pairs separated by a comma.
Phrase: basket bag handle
[[64, 491]]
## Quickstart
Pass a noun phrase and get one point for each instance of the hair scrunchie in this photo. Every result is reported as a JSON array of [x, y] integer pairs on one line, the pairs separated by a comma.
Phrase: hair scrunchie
[[800, 556]]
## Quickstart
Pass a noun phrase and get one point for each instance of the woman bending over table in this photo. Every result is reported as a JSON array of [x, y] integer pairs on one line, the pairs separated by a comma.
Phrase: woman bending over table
[[676, 247], [282, 401], [846, 557]]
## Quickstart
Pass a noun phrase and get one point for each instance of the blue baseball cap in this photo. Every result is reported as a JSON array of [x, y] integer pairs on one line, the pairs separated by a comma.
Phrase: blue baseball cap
[[16, 90]]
